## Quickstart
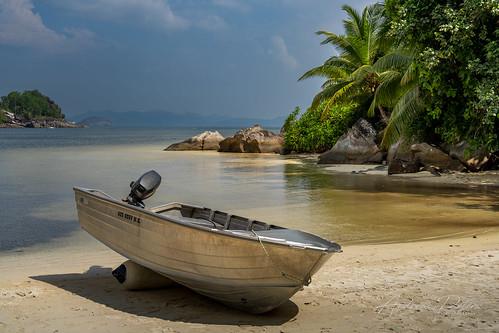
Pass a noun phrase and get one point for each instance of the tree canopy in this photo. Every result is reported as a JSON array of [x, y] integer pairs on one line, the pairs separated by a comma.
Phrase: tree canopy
[[457, 61], [351, 75], [429, 68], [31, 104]]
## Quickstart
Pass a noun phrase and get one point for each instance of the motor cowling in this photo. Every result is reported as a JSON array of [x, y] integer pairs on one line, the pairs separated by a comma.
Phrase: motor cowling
[[143, 188]]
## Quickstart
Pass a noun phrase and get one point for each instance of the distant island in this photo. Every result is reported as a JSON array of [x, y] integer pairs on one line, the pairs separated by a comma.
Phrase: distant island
[[165, 118], [31, 109]]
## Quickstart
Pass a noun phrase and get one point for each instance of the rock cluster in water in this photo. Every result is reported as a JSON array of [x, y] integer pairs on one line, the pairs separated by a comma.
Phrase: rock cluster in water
[[208, 140], [254, 139]]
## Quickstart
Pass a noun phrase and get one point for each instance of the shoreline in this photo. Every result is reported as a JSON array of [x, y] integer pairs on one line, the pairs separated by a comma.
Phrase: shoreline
[[438, 285], [482, 179], [47, 122]]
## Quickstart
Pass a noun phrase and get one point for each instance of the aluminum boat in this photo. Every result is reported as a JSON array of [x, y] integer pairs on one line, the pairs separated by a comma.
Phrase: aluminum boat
[[244, 263]]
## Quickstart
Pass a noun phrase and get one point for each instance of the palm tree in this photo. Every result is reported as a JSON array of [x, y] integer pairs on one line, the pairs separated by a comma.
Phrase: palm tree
[[370, 68], [351, 75], [398, 89]]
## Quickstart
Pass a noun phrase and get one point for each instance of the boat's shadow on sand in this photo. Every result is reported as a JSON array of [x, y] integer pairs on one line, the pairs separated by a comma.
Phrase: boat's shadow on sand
[[176, 303]]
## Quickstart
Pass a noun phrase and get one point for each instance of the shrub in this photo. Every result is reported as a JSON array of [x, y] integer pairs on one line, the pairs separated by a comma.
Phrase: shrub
[[317, 130]]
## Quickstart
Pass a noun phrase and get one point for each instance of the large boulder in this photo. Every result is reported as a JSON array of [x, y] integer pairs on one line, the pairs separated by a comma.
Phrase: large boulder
[[204, 141], [433, 157], [398, 166], [404, 157], [401, 159], [254, 139], [474, 159], [400, 150], [357, 146]]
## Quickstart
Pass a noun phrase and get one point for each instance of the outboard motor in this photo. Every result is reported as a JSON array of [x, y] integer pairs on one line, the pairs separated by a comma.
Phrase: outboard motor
[[143, 188]]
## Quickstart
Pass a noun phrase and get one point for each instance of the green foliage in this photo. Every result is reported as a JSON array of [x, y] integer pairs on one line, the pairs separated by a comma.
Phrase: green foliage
[[31, 105], [352, 75], [457, 61], [291, 120], [429, 67], [2, 117], [317, 130]]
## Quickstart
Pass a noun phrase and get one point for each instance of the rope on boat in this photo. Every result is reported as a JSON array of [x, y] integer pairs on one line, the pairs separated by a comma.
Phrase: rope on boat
[[305, 281]]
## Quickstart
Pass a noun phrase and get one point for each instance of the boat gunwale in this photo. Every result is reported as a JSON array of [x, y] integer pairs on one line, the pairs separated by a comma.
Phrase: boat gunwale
[[172, 219]]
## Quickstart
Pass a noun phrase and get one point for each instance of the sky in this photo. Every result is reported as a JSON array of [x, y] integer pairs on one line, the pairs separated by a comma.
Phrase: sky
[[225, 57]]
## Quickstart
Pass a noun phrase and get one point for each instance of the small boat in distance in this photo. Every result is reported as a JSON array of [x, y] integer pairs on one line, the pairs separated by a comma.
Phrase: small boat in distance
[[243, 263]]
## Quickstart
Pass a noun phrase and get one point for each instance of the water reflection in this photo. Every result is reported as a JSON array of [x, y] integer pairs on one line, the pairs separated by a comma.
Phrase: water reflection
[[368, 208], [36, 193]]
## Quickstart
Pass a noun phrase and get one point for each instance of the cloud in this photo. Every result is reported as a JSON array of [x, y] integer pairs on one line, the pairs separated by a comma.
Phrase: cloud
[[21, 26], [232, 4], [153, 13], [211, 22], [280, 51]]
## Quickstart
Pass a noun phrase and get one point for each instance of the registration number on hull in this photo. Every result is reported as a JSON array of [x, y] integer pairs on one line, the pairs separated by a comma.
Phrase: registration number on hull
[[129, 217]]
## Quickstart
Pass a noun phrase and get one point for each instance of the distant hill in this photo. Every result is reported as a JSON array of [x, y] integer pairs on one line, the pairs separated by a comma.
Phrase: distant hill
[[170, 119], [95, 122]]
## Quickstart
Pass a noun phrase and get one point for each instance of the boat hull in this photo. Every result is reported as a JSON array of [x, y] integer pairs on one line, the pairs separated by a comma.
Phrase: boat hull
[[244, 273]]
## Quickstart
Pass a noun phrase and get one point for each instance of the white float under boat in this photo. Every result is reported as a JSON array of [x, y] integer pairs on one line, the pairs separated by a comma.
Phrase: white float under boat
[[243, 263]]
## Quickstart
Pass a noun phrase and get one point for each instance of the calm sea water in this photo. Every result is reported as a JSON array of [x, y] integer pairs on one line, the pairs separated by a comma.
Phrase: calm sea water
[[39, 167]]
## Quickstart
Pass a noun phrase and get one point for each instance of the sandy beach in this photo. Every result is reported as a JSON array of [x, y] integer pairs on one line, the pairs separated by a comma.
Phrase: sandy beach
[[442, 285]]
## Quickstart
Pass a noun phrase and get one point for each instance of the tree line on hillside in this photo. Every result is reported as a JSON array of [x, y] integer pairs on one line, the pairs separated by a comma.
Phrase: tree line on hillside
[[422, 69], [30, 104]]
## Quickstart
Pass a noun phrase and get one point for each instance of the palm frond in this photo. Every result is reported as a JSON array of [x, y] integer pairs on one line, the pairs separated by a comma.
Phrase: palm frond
[[348, 47], [326, 71], [393, 60], [353, 25], [361, 72], [407, 107], [328, 92], [372, 107], [342, 92], [341, 62], [337, 40], [388, 91], [330, 82], [410, 75]]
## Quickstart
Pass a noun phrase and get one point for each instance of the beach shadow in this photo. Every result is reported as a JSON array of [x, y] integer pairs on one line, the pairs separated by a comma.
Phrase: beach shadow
[[488, 206], [176, 303]]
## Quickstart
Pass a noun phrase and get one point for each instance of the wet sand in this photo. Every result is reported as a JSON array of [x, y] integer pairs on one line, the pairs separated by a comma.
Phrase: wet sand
[[484, 179], [444, 285]]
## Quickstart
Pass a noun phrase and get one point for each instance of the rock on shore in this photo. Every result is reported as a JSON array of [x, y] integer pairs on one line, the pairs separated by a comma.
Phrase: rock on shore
[[474, 159], [357, 146], [409, 158], [13, 122], [207, 140], [254, 139]]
